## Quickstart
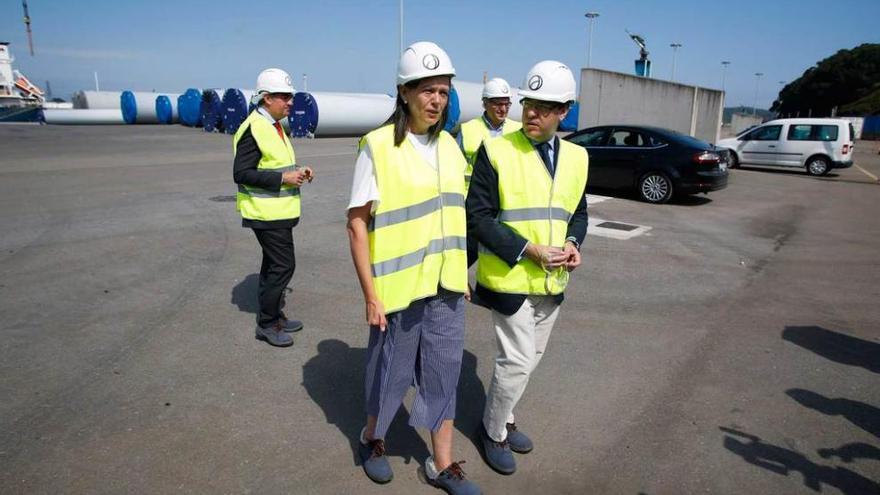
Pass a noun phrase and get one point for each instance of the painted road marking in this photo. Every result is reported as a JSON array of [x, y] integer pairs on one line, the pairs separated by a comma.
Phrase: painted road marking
[[615, 230], [869, 174], [593, 199]]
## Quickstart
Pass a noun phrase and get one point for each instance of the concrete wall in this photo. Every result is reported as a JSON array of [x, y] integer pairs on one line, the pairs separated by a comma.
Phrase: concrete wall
[[858, 124], [742, 121], [614, 98]]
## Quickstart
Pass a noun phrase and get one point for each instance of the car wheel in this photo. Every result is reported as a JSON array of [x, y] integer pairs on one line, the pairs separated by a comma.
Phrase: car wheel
[[733, 161], [655, 187], [818, 165]]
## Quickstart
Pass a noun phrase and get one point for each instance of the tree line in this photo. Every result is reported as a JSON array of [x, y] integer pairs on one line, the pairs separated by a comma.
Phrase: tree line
[[848, 81]]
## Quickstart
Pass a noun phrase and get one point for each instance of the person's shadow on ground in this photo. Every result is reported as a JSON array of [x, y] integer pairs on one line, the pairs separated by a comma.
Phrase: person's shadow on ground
[[836, 346], [334, 379], [471, 401], [245, 297], [865, 416], [244, 294], [787, 462]]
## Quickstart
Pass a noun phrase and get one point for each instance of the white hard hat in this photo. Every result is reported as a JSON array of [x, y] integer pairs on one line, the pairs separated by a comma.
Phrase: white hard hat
[[496, 88], [549, 80], [272, 81], [423, 59]]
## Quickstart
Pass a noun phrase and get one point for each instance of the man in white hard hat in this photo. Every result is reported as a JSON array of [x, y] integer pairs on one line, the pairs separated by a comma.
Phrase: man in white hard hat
[[527, 249], [268, 198], [494, 122]]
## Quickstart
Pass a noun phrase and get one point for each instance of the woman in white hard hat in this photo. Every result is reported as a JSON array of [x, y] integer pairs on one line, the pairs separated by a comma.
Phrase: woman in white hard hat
[[268, 198], [527, 248], [406, 225]]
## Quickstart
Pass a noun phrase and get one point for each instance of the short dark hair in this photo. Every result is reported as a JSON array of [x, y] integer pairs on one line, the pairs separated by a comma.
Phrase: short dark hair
[[400, 118]]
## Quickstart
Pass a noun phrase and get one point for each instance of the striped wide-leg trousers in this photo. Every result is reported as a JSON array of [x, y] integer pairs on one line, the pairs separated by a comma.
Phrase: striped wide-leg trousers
[[422, 345]]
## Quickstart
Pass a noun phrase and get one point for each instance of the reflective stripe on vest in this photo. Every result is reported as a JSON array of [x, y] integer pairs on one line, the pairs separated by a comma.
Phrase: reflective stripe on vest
[[418, 232], [473, 133], [276, 155], [535, 206]]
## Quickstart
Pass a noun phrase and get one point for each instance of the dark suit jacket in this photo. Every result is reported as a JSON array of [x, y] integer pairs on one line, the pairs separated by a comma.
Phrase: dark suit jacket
[[484, 228]]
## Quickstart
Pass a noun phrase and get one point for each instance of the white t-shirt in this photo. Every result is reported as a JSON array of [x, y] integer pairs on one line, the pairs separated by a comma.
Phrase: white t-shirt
[[364, 187]]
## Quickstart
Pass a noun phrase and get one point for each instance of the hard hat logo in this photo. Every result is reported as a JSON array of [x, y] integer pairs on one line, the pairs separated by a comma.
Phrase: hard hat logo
[[431, 61], [535, 82], [287, 81]]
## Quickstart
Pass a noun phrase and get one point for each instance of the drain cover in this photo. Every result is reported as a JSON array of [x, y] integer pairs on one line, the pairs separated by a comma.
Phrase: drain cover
[[618, 226], [222, 199]]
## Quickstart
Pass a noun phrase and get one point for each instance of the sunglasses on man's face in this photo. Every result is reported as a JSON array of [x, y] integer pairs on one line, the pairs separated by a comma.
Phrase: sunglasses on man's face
[[283, 96]]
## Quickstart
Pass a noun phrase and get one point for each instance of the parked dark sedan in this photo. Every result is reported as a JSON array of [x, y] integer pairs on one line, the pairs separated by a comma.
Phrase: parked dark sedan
[[656, 162]]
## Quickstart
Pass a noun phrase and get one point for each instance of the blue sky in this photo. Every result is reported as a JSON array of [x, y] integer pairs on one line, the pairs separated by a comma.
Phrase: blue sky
[[346, 45]]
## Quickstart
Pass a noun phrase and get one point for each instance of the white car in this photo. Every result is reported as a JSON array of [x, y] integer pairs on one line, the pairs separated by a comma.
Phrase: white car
[[817, 145]]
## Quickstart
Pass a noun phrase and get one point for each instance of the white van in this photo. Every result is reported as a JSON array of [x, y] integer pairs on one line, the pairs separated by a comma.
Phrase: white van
[[818, 145]]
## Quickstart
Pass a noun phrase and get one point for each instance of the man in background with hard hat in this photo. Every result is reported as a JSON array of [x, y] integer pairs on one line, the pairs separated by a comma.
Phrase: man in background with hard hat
[[268, 198], [493, 122], [527, 209]]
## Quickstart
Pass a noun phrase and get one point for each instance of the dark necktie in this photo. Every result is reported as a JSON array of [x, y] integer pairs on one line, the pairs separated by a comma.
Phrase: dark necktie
[[279, 129], [544, 151]]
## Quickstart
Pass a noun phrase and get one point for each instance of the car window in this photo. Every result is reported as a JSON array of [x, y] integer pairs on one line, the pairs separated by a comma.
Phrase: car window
[[590, 138], [799, 132], [745, 131], [766, 133], [852, 133], [628, 138], [825, 132], [806, 132], [655, 140]]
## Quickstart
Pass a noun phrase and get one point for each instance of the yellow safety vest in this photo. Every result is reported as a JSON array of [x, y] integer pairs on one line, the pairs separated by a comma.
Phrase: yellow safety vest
[[535, 206], [418, 232], [473, 133], [277, 155]]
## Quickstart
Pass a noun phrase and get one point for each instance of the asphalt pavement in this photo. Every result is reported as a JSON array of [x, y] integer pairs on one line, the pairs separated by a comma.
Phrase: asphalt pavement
[[732, 346]]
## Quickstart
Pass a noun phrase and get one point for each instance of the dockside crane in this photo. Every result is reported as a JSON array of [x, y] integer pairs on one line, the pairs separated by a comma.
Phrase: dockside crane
[[27, 24]]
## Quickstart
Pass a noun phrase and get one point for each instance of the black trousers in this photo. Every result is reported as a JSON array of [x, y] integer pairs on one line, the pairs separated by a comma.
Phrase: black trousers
[[279, 262]]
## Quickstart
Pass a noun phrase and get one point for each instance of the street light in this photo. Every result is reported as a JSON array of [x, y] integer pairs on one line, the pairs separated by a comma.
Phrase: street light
[[400, 31], [591, 16], [757, 82], [675, 47], [781, 86], [724, 64]]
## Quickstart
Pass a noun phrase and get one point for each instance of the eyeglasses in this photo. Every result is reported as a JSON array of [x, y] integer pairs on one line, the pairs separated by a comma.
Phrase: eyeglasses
[[283, 96], [542, 107], [500, 103]]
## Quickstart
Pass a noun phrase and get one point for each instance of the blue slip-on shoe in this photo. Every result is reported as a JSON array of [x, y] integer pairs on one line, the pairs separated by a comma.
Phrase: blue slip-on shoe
[[451, 480], [290, 326], [274, 335], [497, 454], [519, 442], [374, 460]]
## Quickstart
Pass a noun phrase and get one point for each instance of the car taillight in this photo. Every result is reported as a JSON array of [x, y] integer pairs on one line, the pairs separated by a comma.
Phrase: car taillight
[[845, 149], [707, 158]]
